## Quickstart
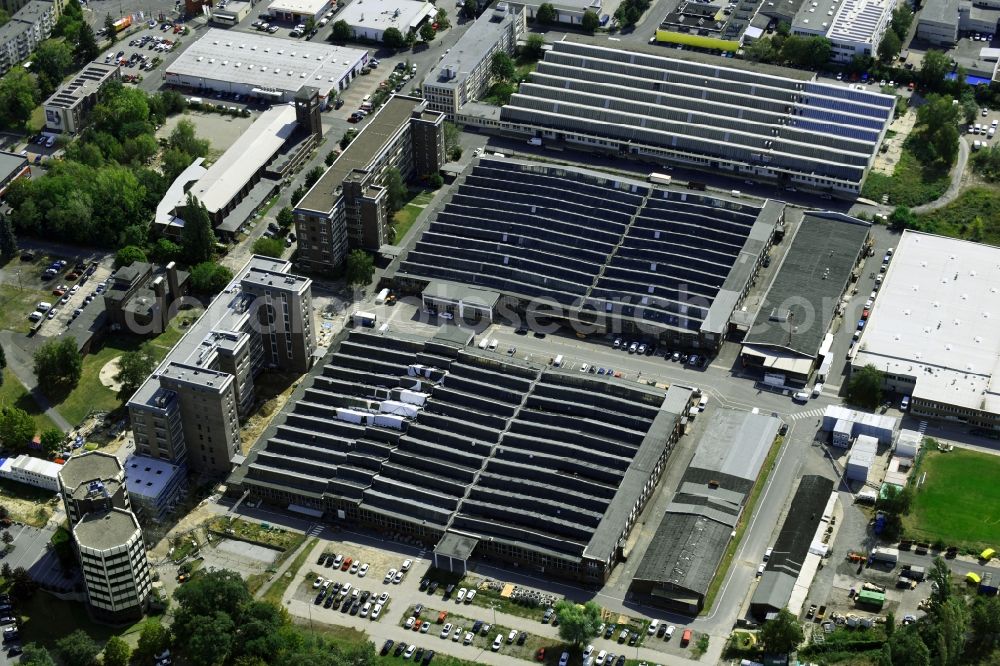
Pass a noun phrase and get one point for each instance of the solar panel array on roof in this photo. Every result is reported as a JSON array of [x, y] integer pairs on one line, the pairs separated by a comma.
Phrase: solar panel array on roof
[[705, 111], [525, 457], [586, 241]]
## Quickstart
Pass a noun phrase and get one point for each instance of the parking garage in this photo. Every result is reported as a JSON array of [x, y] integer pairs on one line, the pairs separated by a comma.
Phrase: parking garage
[[547, 469]]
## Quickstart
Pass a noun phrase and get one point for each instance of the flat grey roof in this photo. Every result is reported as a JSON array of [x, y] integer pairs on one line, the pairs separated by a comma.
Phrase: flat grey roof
[[471, 49], [456, 546], [105, 530], [91, 466], [798, 308], [10, 165], [258, 59], [366, 146], [87, 81], [735, 442], [939, 11], [381, 14]]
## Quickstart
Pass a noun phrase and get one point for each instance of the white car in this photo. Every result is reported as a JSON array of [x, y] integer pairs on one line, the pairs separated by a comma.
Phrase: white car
[[457, 634], [468, 638], [461, 595], [366, 609], [363, 570], [376, 611], [389, 575], [409, 651], [470, 596], [398, 578], [497, 642], [382, 598], [589, 651], [410, 621], [670, 632], [564, 659], [601, 656], [317, 582], [446, 630], [801, 396], [406, 565]]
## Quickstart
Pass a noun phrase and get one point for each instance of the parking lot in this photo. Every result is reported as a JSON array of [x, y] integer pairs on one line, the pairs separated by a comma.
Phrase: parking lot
[[72, 287]]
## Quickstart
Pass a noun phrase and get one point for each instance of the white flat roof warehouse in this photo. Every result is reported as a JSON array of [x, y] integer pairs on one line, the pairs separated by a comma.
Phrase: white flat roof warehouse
[[302, 7], [374, 16], [935, 319], [222, 58]]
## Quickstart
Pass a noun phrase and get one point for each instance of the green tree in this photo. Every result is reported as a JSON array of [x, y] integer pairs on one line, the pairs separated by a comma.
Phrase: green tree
[[984, 620], [782, 634], [153, 640], [760, 50], [341, 32], [889, 47], [173, 162], [810, 52], [902, 218], [52, 440], [313, 176], [77, 649], [36, 655], [4, 17], [427, 32], [546, 14], [210, 278], [360, 268], [577, 622], [502, 66], [471, 9], [109, 28], [906, 648], [22, 586], [58, 366], [183, 138], [53, 58], [133, 369], [268, 247], [197, 236], [940, 575], [534, 47], [285, 217], [8, 241], [435, 180], [116, 652], [590, 21], [310, 24], [864, 388], [902, 17], [128, 255], [18, 96], [345, 140], [945, 633], [441, 18], [393, 182], [393, 38], [936, 133], [977, 230], [16, 428], [165, 251], [933, 68], [330, 158], [86, 48]]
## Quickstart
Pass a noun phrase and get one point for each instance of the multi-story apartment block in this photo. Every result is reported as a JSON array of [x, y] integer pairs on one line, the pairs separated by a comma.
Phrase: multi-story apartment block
[[66, 108], [29, 26], [106, 536], [348, 206], [463, 75], [188, 411]]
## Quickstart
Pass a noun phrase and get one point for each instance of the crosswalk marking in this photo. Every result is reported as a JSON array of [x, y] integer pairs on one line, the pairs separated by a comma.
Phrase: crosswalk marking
[[808, 414]]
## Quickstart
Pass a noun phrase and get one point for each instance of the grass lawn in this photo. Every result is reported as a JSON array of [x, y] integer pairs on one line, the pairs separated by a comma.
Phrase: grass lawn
[[727, 558], [14, 394], [959, 500], [911, 184], [955, 218], [45, 619], [278, 587], [408, 214], [17, 303], [90, 394]]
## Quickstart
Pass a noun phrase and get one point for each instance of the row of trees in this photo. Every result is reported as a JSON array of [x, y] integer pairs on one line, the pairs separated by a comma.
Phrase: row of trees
[[784, 48], [895, 36]]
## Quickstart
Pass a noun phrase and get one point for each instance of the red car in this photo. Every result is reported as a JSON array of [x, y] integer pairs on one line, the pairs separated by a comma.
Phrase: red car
[[865, 313], [58, 292], [540, 655]]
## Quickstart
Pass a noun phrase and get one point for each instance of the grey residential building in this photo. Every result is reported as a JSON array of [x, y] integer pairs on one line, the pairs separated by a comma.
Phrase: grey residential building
[[67, 107], [348, 207], [769, 124], [188, 411], [27, 28], [106, 536], [463, 74]]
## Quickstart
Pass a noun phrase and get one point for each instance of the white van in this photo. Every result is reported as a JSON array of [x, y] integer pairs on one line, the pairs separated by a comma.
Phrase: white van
[[534, 141], [558, 361], [43, 306], [817, 390]]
